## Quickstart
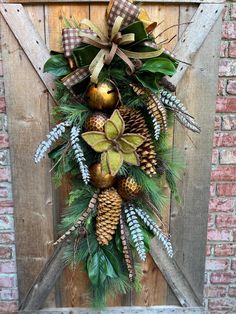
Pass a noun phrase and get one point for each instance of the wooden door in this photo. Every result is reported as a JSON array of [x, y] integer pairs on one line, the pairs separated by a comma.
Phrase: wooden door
[[38, 205]]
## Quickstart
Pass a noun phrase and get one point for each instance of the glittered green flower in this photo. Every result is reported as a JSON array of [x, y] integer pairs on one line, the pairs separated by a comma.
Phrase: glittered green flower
[[115, 146]]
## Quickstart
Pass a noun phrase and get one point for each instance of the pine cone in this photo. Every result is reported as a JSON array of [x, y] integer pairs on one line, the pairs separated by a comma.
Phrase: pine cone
[[108, 215], [135, 123]]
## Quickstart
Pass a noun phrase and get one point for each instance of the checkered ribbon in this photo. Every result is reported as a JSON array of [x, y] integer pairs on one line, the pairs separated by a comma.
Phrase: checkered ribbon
[[123, 8], [75, 77], [72, 40]]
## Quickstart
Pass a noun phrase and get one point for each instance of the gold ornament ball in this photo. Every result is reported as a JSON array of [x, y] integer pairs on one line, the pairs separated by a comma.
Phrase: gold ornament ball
[[128, 188], [102, 96], [95, 122], [98, 179]]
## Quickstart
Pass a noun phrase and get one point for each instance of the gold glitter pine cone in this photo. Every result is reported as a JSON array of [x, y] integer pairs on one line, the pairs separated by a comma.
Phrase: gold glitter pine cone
[[108, 215], [128, 188], [96, 122], [135, 123]]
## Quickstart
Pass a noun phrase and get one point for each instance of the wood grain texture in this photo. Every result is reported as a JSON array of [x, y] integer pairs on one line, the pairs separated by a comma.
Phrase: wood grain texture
[[197, 91], [29, 39], [105, 1], [194, 36], [154, 290], [123, 310], [28, 123]]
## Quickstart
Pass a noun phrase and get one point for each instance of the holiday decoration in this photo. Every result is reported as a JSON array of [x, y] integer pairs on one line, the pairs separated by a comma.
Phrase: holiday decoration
[[115, 105]]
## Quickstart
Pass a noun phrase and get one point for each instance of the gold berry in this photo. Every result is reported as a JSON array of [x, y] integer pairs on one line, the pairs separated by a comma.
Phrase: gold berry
[[102, 96], [128, 188], [95, 122], [99, 179]]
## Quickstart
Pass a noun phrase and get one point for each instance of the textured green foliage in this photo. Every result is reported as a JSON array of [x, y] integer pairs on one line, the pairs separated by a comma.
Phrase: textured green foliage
[[57, 65], [159, 65]]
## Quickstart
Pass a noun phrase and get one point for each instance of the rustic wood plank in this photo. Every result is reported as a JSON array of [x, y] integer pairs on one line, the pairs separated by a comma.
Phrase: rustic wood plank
[[45, 281], [122, 310], [194, 36], [154, 290], [74, 283], [29, 39], [105, 1], [189, 219], [28, 123]]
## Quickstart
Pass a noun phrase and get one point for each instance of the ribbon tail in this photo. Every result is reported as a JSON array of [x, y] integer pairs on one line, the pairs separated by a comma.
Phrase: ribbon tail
[[125, 58], [96, 65], [142, 55]]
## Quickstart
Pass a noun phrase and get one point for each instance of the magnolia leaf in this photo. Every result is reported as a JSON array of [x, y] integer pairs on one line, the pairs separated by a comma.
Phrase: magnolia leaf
[[111, 130], [104, 163], [126, 146], [131, 158], [97, 140], [57, 65], [159, 65], [135, 139], [118, 121], [115, 161]]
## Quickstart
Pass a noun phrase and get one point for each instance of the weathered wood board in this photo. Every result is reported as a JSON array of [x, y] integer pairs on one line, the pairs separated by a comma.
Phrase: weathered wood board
[[29, 110]]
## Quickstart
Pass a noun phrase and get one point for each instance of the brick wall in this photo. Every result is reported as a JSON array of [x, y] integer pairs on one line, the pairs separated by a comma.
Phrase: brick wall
[[220, 286], [8, 278]]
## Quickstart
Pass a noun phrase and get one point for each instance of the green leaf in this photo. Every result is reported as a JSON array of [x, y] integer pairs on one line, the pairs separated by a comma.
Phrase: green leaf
[[104, 163], [114, 160], [111, 130], [159, 65], [84, 55], [135, 139], [118, 121], [148, 80], [138, 29], [97, 140], [131, 158], [56, 152], [57, 65], [125, 146]]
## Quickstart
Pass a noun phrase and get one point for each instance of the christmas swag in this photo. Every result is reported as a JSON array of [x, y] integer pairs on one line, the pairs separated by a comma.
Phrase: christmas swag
[[115, 105]]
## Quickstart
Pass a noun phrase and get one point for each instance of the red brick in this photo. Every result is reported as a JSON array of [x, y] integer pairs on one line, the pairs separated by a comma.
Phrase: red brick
[[4, 142], [6, 207], [225, 250], [233, 11], [221, 205], [233, 264], [1, 68], [219, 235], [8, 307], [212, 189], [215, 292], [223, 278], [226, 189], [217, 123], [221, 304], [229, 30], [208, 250], [224, 104], [229, 122], [214, 264], [224, 139], [224, 48], [232, 49], [227, 67], [224, 173], [6, 222], [215, 155], [2, 104], [228, 157], [232, 292], [6, 282], [5, 174], [231, 87], [5, 252], [226, 221], [8, 294], [7, 267], [7, 237], [221, 86], [211, 221]]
